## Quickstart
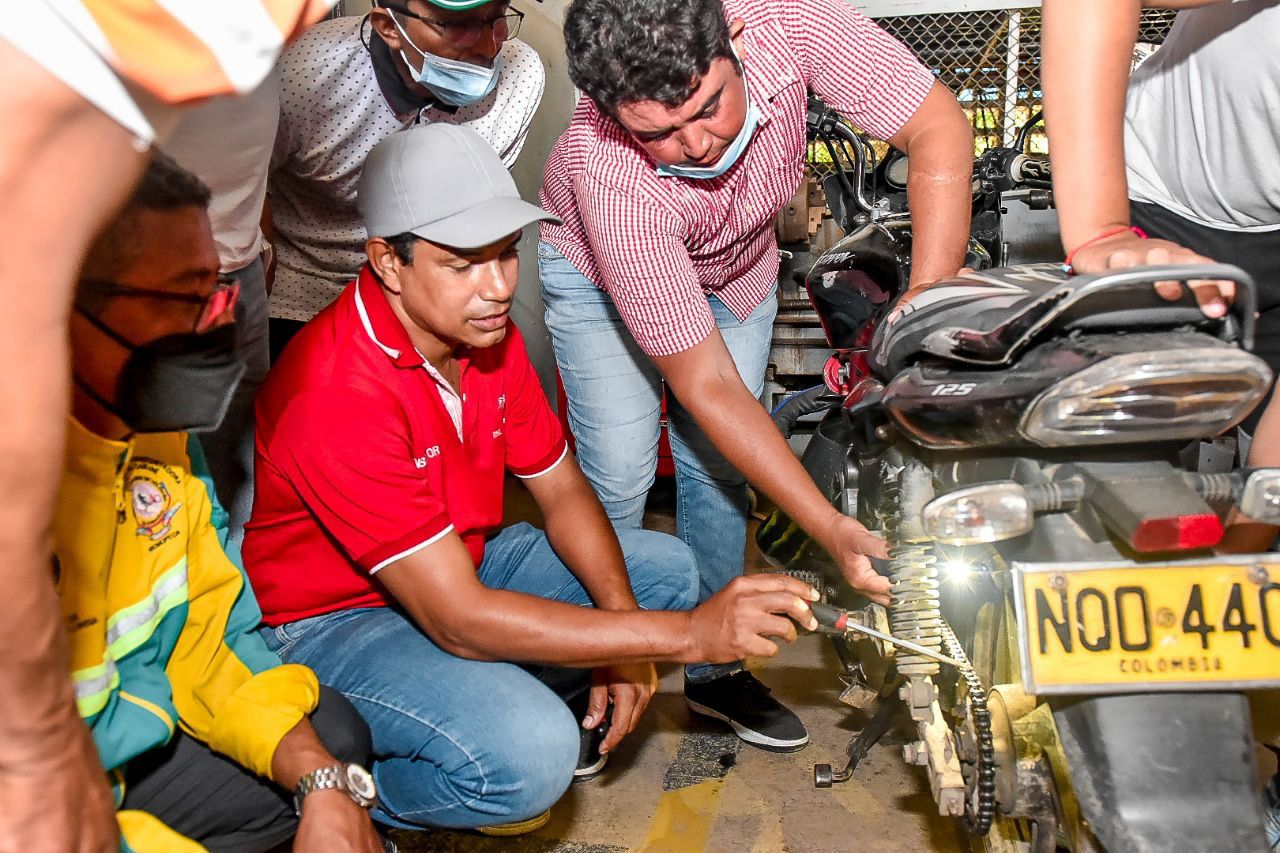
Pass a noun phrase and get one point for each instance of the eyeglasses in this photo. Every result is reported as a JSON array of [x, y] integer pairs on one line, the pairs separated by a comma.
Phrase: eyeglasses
[[465, 33], [213, 307]]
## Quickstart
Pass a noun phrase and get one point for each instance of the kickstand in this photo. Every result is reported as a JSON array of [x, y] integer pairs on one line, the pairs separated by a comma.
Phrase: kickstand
[[861, 743]]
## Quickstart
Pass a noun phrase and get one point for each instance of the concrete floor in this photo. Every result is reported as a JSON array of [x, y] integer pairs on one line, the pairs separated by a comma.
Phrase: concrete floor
[[681, 783]]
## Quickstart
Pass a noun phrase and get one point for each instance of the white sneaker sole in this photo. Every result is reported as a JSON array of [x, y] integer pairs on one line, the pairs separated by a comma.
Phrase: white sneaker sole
[[751, 736], [582, 774]]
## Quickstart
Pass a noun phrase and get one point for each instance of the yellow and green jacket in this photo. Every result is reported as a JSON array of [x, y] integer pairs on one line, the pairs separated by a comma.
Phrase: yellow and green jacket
[[161, 621]]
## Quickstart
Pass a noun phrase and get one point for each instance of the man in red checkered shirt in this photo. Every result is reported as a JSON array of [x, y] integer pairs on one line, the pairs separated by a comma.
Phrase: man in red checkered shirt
[[690, 141]]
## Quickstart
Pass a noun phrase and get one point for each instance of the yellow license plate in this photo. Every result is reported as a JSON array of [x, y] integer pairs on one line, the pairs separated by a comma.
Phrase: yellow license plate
[[1086, 628]]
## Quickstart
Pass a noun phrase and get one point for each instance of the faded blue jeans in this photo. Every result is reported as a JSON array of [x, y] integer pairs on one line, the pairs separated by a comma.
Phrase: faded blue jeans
[[614, 394], [465, 743]]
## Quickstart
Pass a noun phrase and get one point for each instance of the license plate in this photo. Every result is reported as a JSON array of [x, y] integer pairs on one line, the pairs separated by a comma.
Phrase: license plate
[[1116, 628]]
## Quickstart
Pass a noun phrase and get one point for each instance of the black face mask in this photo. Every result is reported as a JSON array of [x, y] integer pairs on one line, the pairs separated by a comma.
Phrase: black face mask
[[176, 383]]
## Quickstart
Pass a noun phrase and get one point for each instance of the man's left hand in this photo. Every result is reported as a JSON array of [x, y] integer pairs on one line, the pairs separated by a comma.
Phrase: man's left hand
[[331, 821], [629, 687], [851, 545]]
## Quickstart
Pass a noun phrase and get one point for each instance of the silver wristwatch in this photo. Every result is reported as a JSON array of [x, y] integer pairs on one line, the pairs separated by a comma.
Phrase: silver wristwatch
[[352, 779]]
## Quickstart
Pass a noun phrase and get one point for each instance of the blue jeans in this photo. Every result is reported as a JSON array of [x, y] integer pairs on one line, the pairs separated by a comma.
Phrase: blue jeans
[[614, 394], [466, 743], [228, 450]]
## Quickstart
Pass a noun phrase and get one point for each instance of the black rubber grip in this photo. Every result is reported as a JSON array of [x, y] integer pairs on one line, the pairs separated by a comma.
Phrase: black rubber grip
[[826, 615]]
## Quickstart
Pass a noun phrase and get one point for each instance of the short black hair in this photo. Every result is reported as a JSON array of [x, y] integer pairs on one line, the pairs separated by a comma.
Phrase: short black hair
[[402, 244], [163, 186], [624, 51]]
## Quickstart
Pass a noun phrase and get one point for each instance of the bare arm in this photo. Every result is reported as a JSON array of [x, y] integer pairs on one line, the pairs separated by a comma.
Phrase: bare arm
[[439, 588], [330, 819], [64, 168], [1087, 53], [707, 383], [581, 534], [939, 142], [1265, 450]]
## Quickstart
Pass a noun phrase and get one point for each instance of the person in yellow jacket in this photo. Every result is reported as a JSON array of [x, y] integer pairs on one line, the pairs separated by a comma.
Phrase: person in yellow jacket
[[88, 86], [208, 739]]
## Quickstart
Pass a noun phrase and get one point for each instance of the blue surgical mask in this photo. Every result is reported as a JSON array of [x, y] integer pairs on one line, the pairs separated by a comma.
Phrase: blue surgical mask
[[731, 154], [457, 84]]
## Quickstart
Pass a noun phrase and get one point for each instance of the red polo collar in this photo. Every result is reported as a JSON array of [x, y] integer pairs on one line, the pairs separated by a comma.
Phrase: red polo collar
[[381, 324], [387, 332]]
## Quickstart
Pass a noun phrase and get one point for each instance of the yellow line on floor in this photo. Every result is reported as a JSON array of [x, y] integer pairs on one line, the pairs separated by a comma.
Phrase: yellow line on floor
[[683, 819]]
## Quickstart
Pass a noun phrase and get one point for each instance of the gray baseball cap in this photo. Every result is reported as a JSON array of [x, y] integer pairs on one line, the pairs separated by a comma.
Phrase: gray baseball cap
[[444, 183]]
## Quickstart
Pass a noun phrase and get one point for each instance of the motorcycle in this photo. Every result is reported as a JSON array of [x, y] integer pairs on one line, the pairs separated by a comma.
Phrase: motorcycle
[[1050, 458], [866, 196]]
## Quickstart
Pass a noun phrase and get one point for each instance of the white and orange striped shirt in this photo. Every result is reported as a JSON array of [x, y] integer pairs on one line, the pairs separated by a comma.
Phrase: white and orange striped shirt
[[138, 61], [659, 245]]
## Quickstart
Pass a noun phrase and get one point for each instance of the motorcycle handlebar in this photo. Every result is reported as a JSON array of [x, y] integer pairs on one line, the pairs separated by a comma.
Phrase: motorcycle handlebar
[[1031, 170], [999, 169], [1007, 169]]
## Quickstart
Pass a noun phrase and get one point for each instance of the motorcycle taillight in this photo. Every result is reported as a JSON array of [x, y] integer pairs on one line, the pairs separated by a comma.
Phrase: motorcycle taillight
[[1177, 533], [1149, 396]]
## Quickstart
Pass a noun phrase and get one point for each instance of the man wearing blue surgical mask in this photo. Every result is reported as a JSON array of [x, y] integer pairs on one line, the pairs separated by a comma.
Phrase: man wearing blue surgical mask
[[350, 83]]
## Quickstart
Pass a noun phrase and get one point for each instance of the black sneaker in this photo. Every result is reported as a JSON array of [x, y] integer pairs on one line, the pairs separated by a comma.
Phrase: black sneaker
[[745, 704], [591, 760]]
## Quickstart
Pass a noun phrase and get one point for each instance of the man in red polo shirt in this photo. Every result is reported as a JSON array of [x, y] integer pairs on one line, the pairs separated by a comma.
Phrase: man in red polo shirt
[[384, 433]]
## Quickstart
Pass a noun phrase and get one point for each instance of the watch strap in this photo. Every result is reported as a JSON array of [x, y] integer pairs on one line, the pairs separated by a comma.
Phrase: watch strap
[[318, 780]]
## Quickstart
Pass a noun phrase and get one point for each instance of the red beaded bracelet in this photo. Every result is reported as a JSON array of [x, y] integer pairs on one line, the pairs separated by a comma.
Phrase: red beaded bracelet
[[1110, 232]]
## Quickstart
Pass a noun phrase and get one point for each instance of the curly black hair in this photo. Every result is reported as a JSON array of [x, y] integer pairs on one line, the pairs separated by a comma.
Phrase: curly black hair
[[624, 51]]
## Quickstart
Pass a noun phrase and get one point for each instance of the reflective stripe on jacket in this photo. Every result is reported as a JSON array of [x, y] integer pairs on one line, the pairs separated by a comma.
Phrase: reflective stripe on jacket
[[161, 621]]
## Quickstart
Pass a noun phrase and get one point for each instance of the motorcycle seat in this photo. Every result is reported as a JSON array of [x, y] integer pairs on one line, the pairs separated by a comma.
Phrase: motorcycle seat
[[988, 318]]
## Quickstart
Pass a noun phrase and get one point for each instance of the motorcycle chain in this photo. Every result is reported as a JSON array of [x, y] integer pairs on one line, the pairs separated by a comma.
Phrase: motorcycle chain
[[977, 816]]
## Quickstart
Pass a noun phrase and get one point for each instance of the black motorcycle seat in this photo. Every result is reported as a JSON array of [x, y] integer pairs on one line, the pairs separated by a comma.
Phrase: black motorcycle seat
[[989, 318]]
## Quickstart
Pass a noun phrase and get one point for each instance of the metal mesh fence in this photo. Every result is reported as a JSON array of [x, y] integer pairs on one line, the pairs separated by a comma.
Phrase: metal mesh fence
[[991, 61]]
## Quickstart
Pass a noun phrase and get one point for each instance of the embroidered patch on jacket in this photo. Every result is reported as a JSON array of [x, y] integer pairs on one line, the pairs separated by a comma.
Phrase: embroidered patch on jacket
[[153, 507]]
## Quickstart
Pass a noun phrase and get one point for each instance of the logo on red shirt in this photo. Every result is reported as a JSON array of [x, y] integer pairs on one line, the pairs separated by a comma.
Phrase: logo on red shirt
[[430, 453]]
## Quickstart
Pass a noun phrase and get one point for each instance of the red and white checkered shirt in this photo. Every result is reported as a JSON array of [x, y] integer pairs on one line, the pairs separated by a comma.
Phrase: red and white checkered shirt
[[659, 245]]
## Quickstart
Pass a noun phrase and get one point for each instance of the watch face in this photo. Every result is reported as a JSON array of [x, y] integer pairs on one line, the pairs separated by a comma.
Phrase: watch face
[[360, 782]]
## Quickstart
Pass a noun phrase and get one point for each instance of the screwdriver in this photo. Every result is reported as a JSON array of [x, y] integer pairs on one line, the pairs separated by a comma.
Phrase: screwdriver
[[838, 621]]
